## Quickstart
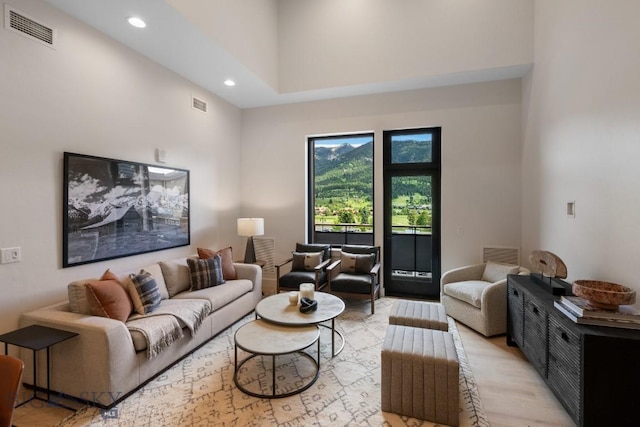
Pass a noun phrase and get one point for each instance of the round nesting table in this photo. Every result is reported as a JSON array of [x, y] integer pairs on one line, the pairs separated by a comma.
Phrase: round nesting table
[[276, 309], [261, 338]]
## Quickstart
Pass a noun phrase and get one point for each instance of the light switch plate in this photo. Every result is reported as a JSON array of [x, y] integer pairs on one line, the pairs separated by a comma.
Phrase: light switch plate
[[9, 255]]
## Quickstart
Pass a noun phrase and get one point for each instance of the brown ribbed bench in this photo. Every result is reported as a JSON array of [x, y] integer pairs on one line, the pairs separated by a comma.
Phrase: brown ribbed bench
[[420, 374], [420, 314]]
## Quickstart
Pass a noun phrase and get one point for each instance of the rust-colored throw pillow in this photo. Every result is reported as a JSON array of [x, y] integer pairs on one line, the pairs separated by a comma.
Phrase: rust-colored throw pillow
[[108, 298], [109, 275], [228, 269]]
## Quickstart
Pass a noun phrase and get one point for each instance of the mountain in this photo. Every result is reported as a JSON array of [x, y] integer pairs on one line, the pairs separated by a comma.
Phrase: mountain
[[325, 157], [411, 151], [347, 171]]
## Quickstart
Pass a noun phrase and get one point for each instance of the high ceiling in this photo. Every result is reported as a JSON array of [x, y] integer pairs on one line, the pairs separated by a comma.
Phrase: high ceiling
[[172, 41]]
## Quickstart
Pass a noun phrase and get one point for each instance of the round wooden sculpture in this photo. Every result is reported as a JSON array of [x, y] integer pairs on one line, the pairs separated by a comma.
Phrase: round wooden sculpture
[[548, 263]]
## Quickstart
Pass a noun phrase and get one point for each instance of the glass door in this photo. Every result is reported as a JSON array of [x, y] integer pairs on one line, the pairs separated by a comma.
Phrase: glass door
[[412, 213]]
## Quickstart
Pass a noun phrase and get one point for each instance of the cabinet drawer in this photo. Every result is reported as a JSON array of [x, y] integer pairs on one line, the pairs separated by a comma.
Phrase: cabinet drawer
[[564, 366], [535, 334], [515, 313]]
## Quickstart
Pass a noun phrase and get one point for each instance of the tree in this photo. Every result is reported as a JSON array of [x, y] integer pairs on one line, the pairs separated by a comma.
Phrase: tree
[[346, 217], [411, 217], [424, 218], [363, 213]]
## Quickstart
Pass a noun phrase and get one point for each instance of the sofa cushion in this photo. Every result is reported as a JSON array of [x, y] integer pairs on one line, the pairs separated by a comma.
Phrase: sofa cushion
[[469, 291], [221, 295], [228, 268], [109, 298], [176, 275], [356, 263], [144, 292], [305, 261], [495, 271], [78, 296], [205, 273]]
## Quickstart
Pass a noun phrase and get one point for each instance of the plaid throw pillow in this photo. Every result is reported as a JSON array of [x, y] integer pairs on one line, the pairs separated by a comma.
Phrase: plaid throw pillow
[[144, 292], [205, 273]]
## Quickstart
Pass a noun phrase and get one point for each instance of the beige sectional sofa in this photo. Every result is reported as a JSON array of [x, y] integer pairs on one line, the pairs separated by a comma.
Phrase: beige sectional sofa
[[102, 364]]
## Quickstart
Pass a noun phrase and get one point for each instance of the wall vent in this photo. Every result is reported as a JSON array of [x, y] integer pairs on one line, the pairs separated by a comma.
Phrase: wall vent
[[503, 254], [198, 104], [19, 22], [265, 248]]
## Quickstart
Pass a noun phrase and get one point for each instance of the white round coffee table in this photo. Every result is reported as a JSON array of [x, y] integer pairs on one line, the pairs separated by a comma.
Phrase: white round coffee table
[[261, 338], [276, 309]]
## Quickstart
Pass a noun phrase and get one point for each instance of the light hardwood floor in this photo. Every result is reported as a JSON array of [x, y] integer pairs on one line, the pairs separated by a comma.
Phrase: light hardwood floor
[[511, 391]]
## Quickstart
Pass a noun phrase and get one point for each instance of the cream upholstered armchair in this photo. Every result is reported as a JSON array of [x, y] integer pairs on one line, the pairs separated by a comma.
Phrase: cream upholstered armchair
[[476, 295]]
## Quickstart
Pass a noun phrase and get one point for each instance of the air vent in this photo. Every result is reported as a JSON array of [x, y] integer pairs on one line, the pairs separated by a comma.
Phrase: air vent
[[19, 22], [501, 254], [198, 104]]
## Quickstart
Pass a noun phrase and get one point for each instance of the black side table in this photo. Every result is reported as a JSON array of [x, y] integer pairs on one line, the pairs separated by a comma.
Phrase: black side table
[[35, 338]]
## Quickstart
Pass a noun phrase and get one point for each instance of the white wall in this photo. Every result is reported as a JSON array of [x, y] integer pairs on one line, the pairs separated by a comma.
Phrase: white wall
[[481, 152], [581, 131], [93, 96], [333, 43]]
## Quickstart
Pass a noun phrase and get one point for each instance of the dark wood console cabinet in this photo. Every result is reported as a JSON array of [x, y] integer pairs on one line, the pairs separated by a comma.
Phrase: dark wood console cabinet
[[594, 371]]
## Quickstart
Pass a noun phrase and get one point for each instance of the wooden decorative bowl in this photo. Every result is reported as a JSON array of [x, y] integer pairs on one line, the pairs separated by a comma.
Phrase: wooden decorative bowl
[[605, 295]]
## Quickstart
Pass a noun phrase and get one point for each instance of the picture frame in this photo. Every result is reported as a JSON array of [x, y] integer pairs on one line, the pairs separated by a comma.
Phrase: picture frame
[[117, 208]]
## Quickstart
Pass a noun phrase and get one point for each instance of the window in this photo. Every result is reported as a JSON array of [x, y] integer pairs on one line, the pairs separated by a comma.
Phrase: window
[[340, 202]]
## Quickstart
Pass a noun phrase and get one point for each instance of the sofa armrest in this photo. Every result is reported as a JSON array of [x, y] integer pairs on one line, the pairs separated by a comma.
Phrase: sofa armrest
[[98, 365], [469, 272], [251, 272]]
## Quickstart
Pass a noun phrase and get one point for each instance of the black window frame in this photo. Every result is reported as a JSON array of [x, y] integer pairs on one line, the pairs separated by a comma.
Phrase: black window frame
[[310, 205]]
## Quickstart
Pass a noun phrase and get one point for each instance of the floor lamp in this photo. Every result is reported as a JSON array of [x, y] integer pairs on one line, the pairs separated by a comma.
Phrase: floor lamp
[[249, 227]]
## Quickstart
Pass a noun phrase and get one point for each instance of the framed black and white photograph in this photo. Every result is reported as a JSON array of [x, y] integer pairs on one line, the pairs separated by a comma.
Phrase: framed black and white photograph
[[117, 208]]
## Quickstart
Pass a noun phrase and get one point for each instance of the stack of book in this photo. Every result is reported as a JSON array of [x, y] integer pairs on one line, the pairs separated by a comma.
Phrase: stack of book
[[579, 310]]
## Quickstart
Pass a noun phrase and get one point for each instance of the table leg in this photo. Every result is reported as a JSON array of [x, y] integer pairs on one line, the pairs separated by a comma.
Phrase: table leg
[[35, 375], [273, 365], [48, 378], [333, 337]]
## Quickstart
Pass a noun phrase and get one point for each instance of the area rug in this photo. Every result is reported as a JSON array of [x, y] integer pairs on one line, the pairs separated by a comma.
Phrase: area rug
[[200, 391]]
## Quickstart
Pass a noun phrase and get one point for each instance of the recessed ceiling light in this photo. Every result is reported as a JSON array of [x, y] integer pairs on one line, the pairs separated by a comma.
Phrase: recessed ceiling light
[[137, 22], [229, 82]]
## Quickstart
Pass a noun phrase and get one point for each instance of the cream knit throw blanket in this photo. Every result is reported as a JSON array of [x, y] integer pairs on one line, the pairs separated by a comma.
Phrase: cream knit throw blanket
[[162, 327]]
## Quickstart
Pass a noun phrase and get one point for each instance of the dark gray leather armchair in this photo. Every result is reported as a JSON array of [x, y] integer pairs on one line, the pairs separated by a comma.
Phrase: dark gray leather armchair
[[304, 268], [356, 273]]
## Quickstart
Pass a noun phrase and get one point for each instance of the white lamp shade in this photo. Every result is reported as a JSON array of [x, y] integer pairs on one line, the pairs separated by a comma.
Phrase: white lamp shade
[[250, 227]]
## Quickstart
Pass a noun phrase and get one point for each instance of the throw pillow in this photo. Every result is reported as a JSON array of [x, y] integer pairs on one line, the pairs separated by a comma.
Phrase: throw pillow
[[78, 295], [176, 276], [356, 263], [108, 298], [228, 269], [495, 271], [305, 261], [144, 292], [109, 275], [205, 273]]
